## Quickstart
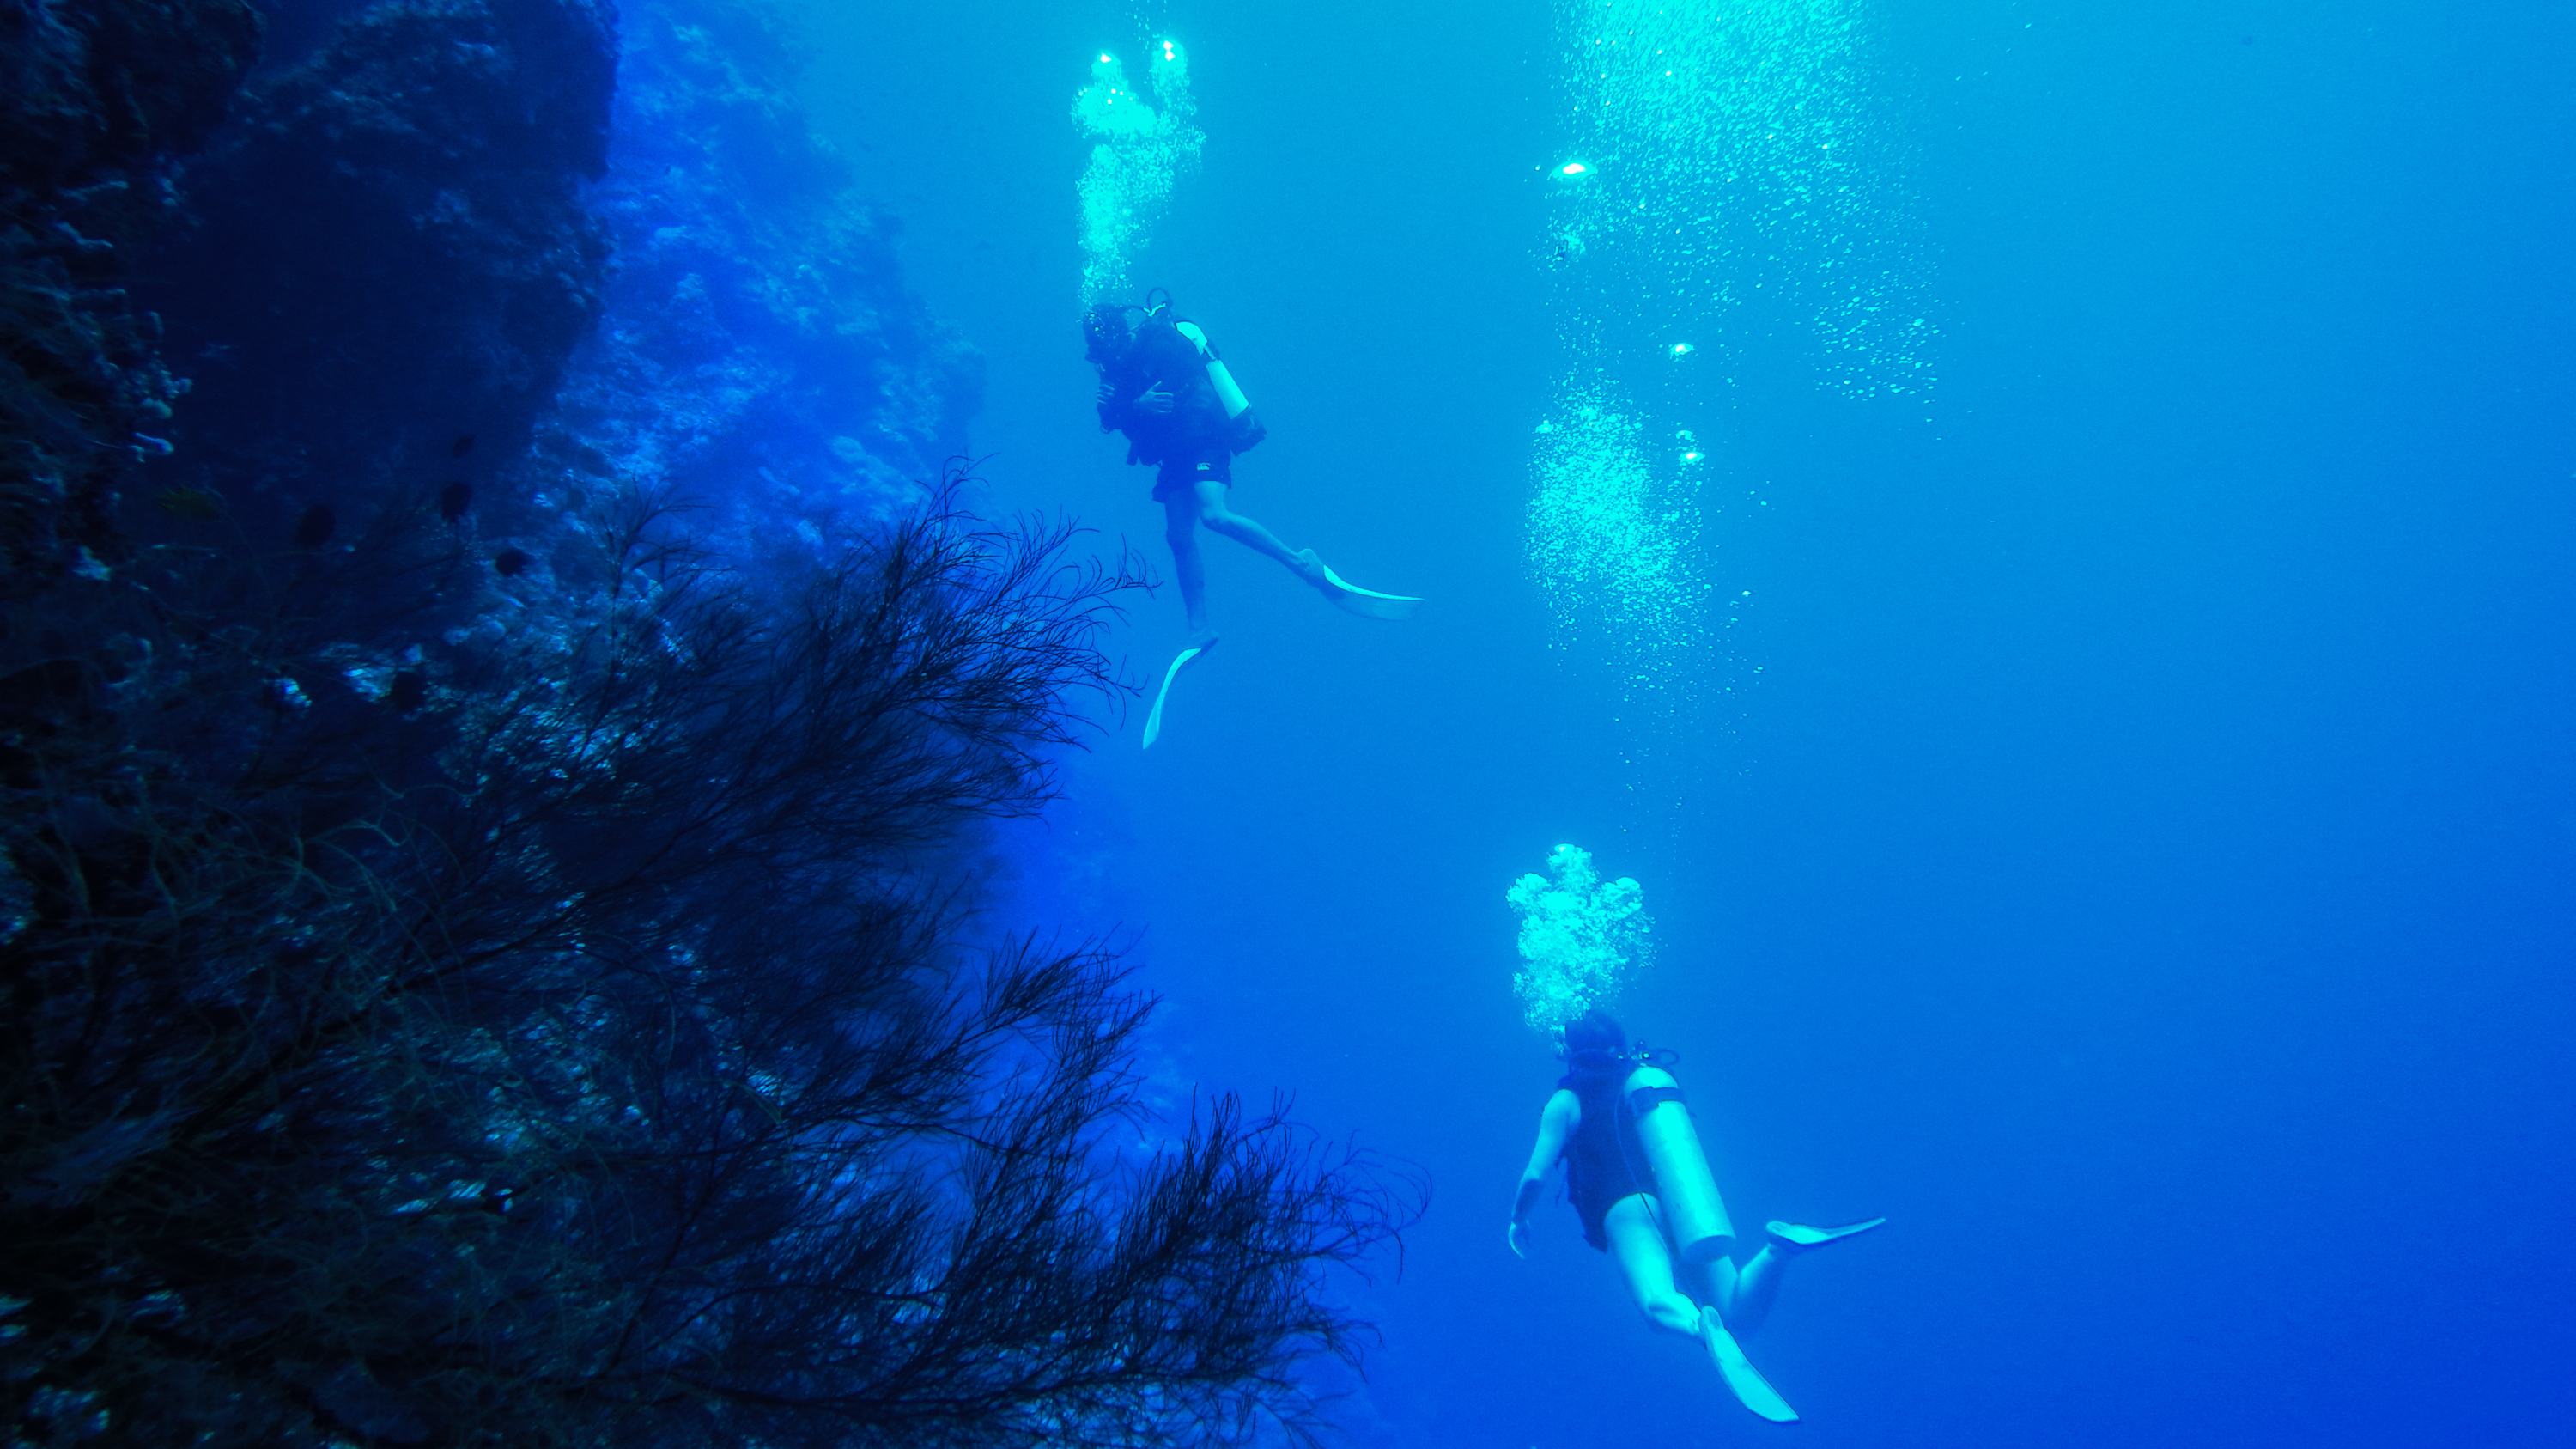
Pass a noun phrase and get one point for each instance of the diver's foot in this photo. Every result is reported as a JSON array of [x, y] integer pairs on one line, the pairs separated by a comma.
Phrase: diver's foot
[[1312, 570], [1799, 1237], [1349, 597]]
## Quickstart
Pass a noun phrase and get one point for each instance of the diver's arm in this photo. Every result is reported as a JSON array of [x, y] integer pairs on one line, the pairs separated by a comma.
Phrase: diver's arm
[[1563, 1114], [1118, 412]]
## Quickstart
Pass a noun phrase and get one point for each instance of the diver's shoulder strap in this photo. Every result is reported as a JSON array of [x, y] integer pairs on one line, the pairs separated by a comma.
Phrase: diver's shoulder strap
[[1644, 1099], [1649, 1087]]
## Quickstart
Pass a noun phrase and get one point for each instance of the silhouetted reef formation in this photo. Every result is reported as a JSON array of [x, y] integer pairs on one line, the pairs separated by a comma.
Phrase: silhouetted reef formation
[[490, 952], [96, 98], [762, 354], [390, 250]]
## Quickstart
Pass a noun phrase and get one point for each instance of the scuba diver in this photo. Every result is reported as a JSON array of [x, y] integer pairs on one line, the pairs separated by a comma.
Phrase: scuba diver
[[1164, 387], [1640, 1183]]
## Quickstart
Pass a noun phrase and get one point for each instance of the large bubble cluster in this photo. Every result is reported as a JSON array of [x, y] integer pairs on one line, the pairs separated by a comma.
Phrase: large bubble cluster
[[1580, 938], [1615, 538], [1141, 147]]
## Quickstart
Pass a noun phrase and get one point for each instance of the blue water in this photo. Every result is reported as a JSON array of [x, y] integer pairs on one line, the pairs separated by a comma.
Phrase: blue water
[[2130, 845]]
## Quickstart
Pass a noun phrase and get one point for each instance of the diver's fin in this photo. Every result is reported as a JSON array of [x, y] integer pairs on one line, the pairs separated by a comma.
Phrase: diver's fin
[[1799, 1236], [1367, 603], [1154, 717], [1751, 1389]]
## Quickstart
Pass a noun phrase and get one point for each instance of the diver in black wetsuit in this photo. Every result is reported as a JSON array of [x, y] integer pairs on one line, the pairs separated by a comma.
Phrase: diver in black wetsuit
[[1592, 1124], [1163, 385]]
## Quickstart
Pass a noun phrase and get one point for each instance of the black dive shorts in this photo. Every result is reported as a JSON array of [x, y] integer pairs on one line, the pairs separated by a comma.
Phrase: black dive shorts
[[1179, 475]]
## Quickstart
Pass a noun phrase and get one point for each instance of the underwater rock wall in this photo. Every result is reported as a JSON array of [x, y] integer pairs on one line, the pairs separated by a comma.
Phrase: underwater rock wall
[[762, 362], [390, 253], [489, 260], [96, 98], [464, 996]]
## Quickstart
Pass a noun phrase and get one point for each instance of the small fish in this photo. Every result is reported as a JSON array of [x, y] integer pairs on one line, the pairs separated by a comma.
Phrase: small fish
[[315, 528], [509, 561], [195, 505], [463, 445], [454, 499]]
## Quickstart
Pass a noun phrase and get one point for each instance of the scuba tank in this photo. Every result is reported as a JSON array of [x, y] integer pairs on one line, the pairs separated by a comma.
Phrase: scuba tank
[[1693, 1211]]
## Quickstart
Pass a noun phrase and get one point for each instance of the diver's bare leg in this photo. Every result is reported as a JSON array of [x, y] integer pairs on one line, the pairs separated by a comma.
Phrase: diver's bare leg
[[1743, 1294], [1245, 531], [1637, 1240], [1636, 1232], [1181, 531]]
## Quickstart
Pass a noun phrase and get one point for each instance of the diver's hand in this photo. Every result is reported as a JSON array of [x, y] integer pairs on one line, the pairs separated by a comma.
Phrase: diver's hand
[[1155, 400], [1518, 1237], [1108, 394]]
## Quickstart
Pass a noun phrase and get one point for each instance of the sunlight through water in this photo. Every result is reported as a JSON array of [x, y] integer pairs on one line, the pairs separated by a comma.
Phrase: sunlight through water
[[1138, 154]]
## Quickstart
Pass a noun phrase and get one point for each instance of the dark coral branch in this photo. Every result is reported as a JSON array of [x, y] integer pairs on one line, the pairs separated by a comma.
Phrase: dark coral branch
[[623, 1070]]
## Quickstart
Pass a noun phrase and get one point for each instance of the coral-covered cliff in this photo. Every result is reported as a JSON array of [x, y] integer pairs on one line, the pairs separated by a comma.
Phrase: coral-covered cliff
[[390, 252], [97, 98], [762, 356], [480, 776]]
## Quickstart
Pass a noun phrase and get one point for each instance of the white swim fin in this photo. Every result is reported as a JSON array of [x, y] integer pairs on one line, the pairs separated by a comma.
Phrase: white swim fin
[[1751, 1389], [1798, 1237], [1154, 717], [1367, 603]]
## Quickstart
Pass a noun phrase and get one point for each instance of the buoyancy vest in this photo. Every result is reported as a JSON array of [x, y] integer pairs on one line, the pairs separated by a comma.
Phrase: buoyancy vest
[[1604, 1162], [1170, 353]]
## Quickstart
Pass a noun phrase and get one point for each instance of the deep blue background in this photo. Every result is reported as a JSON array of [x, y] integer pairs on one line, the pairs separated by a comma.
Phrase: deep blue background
[[2142, 869]]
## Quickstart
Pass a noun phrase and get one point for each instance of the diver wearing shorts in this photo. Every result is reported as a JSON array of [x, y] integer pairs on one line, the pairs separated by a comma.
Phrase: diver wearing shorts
[[1163, 386]]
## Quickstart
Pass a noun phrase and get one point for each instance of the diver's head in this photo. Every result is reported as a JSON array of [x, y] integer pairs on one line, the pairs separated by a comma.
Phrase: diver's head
[[1593, 1039], [1105, 333]]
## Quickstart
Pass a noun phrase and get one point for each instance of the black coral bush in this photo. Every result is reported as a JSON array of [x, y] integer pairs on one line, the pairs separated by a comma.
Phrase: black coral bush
[[579, 1036]]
